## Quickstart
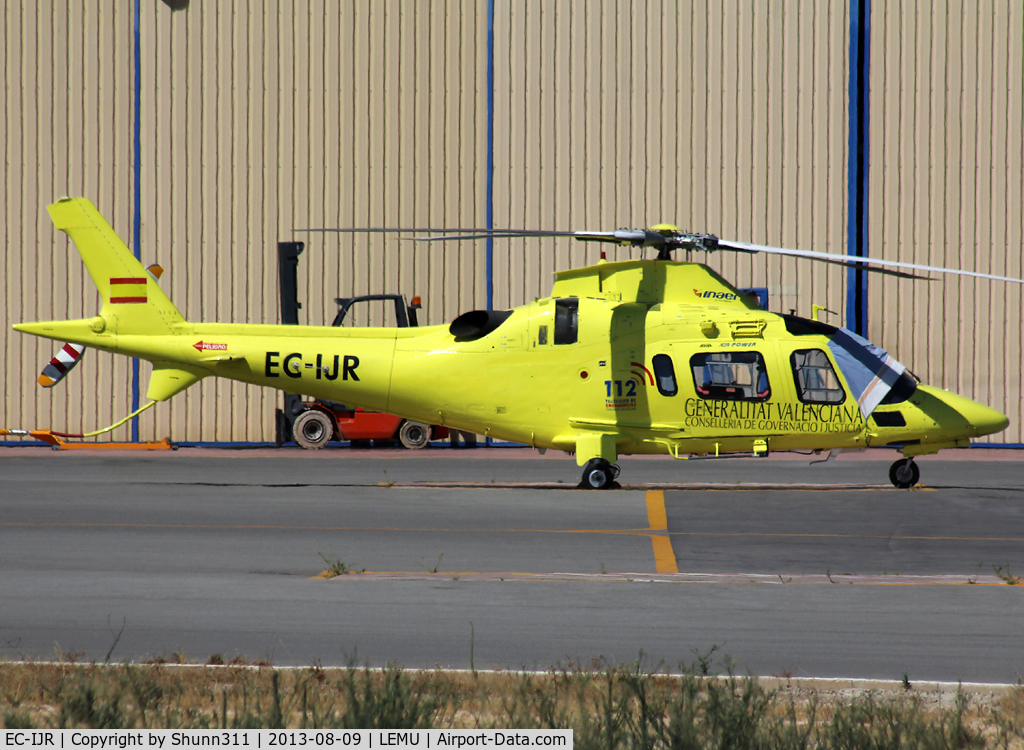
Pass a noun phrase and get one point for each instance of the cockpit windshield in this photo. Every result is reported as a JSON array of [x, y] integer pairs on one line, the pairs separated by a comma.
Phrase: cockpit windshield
[[874, 376]]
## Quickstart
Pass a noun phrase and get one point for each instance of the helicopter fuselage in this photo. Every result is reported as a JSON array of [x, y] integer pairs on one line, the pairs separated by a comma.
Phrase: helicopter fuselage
[[623, 358]]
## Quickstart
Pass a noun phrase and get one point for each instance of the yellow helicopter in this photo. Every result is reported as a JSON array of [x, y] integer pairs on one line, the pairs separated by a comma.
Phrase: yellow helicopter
[[627, 357]]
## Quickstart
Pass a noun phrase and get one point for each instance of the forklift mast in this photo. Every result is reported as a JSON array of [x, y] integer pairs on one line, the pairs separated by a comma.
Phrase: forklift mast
[[288, 275]]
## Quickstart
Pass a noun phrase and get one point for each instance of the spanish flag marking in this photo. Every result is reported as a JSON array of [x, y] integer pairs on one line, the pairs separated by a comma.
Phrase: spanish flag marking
[[128, 290]]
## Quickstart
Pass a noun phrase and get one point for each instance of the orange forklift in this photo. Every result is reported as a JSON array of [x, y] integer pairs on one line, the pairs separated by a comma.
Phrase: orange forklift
[[312, 424]]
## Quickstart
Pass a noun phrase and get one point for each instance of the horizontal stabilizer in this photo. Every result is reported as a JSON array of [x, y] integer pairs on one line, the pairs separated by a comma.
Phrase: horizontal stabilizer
[[171, 380]]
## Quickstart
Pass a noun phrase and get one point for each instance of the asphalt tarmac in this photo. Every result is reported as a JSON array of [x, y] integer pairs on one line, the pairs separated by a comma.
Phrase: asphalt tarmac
[[491, 559]]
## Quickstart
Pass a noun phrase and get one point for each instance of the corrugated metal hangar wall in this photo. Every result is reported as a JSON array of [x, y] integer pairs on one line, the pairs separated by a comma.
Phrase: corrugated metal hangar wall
[[245, 120]]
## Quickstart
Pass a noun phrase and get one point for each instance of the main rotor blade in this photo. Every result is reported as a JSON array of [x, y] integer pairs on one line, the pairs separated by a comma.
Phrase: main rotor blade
[[853, 260], [390, 230], [666, 242], [485, 234], [634, 237], [832, 261]]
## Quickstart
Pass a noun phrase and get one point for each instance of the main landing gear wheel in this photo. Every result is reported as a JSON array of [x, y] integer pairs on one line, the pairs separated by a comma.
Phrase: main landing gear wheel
[[904, 473], [599, 474], [312, 429], [414, 435]]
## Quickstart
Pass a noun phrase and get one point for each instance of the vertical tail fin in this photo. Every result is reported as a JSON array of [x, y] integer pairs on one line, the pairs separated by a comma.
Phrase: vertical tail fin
[[132, 300]]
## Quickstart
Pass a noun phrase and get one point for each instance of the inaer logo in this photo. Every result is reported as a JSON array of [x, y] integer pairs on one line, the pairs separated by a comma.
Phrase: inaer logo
[[716, 295]]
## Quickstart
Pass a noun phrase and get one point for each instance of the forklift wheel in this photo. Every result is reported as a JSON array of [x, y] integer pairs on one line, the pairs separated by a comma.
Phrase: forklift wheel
[[312, 429], [414, 435]]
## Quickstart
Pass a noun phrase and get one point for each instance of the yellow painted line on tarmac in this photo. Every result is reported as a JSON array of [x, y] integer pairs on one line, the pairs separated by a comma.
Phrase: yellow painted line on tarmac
[[781, 534], [657, 517], [664, 556], [276, 527], [411, 529]]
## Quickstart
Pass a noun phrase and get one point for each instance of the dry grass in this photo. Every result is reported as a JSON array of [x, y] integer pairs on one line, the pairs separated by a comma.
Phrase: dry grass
[[608, 707]]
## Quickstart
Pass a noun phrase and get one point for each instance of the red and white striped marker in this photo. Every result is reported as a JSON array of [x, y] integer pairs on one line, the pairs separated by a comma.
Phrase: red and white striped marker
[[65, 361]]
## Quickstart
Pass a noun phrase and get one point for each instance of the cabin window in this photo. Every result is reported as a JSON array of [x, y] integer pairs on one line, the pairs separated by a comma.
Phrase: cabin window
[[665, 375], [731, 376], [816, 381], [567, 321]]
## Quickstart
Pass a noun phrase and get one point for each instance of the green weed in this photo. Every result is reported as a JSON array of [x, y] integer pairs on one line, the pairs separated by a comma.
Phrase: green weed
[[336, 567]]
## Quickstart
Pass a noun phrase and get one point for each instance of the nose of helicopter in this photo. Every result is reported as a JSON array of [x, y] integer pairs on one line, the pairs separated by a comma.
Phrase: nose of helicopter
[[985, 420], [975, 419]]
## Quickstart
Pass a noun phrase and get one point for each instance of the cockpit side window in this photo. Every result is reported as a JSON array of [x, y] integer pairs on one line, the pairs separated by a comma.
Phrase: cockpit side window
[[665, 375], [567, 321], [816, 381], [731, 376]]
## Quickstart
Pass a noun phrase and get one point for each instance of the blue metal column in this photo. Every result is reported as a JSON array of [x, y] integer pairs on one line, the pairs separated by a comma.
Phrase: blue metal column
[[857, 166], [490, 152], [137, 208], [490, 161]]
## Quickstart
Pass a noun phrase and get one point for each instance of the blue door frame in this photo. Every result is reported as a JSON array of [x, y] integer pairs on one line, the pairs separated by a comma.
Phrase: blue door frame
[[857, 166]]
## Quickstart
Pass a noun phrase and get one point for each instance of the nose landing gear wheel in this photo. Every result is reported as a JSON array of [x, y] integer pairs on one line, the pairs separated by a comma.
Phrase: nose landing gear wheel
[[904, 473], [599, 474]]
